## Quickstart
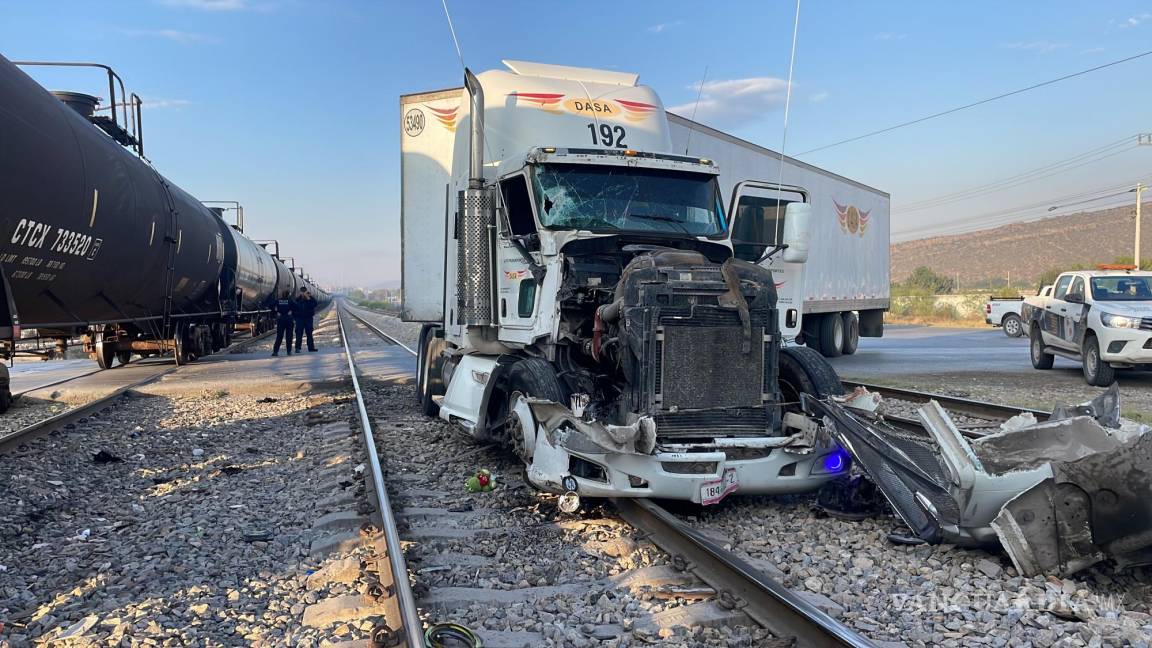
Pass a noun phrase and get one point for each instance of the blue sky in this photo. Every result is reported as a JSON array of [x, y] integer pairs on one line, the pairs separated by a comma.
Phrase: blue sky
[[291, 106]]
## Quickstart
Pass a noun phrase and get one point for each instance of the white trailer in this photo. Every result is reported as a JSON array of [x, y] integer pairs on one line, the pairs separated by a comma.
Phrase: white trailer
[[848, 267]]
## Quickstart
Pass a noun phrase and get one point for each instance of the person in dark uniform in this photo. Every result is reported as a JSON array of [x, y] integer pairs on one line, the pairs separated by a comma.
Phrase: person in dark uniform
[[305, 312], [284, 309]]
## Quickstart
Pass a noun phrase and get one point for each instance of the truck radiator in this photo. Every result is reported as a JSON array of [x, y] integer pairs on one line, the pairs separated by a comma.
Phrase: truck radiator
[[705, 367]]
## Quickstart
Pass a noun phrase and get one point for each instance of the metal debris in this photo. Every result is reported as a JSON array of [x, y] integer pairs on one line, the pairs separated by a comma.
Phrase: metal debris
[[1058, 496]]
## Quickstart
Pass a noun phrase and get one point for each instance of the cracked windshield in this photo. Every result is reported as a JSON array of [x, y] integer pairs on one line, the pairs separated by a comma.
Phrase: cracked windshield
[[575, 196]]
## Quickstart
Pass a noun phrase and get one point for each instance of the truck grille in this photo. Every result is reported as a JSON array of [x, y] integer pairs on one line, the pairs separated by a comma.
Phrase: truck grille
[[749, 421], [705, 367]]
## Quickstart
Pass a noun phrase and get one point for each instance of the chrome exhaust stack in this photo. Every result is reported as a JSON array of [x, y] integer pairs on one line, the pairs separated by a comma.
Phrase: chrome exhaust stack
[[476, 217]]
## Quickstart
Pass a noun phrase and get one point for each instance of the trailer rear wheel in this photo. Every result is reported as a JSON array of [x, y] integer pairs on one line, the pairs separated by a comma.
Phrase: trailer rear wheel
[[831, 335], [851, 333], [430, 370], [805, 371]]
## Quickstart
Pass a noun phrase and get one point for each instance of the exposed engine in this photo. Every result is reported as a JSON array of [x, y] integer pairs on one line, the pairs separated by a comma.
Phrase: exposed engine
[[669, 334]]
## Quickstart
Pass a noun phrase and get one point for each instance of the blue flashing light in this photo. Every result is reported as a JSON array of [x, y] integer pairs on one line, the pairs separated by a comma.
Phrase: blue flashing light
[[835, 462]]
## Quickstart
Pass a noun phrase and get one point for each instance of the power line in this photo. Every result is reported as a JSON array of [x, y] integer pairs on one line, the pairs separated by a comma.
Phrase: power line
[[1047, 171], [1020, 213], [978, 103]]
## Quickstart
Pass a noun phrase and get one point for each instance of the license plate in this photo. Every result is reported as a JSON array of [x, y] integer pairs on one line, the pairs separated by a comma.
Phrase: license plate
[[714, 491]]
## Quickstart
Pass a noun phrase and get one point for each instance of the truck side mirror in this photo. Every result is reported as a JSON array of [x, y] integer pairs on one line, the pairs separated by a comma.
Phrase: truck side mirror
[[797, 220], [1074, 298]]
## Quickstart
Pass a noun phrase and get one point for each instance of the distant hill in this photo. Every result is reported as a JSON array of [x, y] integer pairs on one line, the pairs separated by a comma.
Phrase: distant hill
[[1027, 249]]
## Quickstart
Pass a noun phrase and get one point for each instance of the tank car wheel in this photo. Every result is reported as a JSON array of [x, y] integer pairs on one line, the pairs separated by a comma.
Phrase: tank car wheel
[[105, 353], [180, 347], [218, 337], [124, 357]]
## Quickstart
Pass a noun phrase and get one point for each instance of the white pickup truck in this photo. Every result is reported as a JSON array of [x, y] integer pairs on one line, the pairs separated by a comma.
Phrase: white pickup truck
[[1100, 318], [1005, 312]]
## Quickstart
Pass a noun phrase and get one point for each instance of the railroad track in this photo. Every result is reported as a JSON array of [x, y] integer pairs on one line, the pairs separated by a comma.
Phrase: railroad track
[[79, 413], [730, 581], [401, 609], [974, 408]]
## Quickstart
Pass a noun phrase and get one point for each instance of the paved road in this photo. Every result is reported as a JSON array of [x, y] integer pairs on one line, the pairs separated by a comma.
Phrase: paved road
[[27, 376], [924, 349], [908, 350]]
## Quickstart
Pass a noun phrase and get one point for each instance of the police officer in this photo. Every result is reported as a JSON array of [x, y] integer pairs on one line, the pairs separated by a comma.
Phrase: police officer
[[284, 309], [305, 312]]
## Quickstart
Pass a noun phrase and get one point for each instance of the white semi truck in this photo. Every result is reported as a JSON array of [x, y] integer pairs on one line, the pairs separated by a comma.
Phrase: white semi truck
[[607, 305]]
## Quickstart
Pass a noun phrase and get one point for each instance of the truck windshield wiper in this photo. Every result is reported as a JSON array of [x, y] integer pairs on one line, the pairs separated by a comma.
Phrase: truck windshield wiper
[[663, 219]]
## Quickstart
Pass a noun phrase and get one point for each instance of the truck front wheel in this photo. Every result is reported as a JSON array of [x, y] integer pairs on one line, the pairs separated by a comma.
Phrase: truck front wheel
[[528, 378], [1096, 372], [1040, 359], [1013, 327], [805, 371]]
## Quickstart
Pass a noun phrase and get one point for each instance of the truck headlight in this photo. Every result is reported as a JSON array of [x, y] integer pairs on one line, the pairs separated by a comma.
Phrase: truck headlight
[[1120, 321]]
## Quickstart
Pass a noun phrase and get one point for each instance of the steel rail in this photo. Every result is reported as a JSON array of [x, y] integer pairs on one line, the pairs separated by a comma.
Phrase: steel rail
[[79, 412], [976, 408], [376, 329], [768, 603], [58, 381], [411, 626]]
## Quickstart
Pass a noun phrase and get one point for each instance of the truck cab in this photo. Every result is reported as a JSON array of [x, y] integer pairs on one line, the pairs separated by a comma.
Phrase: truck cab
[[590, 299], [1100, 318]]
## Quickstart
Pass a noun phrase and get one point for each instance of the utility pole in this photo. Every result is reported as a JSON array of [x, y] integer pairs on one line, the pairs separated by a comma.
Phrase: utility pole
[[1142, 139], [1139, 190]]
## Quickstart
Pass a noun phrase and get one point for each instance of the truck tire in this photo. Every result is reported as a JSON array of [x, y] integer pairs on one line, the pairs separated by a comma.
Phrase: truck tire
[[1096, 372], [805, 371], [831, 335], [536, 377], [851, 333], [430, 370], [1040, 359], [1013, 326]]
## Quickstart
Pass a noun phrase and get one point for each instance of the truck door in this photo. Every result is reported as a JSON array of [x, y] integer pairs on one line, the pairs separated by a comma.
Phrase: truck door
[[756, 227], [1055, 312], [517, 290]]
